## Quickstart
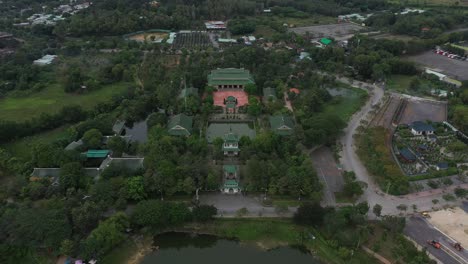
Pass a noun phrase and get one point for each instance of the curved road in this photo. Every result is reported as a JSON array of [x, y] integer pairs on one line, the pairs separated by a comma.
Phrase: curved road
[[351, 162]]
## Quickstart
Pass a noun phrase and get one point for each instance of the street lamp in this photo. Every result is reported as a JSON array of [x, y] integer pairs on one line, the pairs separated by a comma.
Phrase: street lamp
[[265, 195]]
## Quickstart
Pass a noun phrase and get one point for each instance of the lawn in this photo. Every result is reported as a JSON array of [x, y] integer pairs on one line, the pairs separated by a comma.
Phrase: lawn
[[400, 83], [21, 148], [52, 99], [348, 103]]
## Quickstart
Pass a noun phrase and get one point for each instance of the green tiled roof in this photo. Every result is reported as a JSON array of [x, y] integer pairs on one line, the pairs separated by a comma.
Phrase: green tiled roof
[[326, 41], [231, 137], [282, 125], [231, 184], [180, 125], [230, 168], [421, 126], [93, 153], [230, 148], [230, 76], [188, 91]]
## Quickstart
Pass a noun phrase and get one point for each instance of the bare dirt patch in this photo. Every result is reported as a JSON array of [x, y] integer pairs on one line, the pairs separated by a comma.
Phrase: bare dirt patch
[[453, 222], [149, 36], [451, 67], [422, 110]]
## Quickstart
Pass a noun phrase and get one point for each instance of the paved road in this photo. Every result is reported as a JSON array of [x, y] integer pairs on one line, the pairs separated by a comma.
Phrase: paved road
[[229, 204], [328, 173], [350, 161], [421, 231]]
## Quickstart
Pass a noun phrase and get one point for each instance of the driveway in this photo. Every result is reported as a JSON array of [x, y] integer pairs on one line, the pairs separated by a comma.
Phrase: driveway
[[328, 173]]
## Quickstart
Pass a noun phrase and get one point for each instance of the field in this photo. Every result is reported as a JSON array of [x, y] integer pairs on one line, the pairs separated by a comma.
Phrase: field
[[52, 99], [404, 38], [21, 148], [336, 31], [400, 83], [451, 67], [192, 40]]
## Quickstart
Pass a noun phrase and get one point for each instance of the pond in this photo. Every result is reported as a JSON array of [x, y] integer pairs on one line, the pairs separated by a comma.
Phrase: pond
[[177, 248]]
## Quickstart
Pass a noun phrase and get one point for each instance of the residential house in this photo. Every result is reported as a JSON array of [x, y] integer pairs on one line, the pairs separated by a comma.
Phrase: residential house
[[407, 155], [282, 125], [180, 125], [419, 128]]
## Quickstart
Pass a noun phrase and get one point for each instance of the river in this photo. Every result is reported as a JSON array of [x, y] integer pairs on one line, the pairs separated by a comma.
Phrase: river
[[175, 248]]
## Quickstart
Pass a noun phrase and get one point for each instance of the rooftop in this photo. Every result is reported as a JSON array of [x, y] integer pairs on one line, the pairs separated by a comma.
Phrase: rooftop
[[325, 41], [231, 137], [407, 154], [230, 76], [421, 126], [97, 153], [215, 25], [282, 125], [180, 125], [230, 168], [231, 184]]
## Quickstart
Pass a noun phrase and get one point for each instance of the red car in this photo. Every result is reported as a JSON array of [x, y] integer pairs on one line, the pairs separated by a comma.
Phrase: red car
[[434, 243]]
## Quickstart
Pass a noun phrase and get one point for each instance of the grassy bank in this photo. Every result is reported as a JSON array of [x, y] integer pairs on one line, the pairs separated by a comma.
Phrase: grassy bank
[[52, 99], [264, 233], [21, 148], [346, 105]]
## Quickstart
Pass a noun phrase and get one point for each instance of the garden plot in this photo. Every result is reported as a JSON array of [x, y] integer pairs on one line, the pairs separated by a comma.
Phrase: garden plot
[[192, 39], [438, 153]]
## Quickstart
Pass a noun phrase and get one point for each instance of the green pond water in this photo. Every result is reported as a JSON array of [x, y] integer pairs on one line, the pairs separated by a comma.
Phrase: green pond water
[[175, 248]]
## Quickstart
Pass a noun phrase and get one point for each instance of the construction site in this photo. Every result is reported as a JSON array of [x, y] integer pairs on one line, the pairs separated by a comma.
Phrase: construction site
[[452, 222]]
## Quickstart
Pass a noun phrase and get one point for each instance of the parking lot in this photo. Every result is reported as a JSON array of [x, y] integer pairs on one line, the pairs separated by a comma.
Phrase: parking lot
[[452, 67], [340, 31]]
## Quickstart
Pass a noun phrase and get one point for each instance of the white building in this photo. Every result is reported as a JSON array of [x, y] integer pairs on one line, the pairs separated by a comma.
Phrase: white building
[[419, 128], [46, 60]]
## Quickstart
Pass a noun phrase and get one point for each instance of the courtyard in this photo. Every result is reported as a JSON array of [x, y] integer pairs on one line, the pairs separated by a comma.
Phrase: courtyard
[[219, 129]]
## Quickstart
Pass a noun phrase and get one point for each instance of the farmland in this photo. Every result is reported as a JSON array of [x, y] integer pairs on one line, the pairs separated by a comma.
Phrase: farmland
[[52, 99], [191, 40]]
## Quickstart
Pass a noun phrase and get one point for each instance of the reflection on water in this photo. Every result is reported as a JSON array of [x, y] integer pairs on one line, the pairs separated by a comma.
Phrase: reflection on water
[[181, 248]]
